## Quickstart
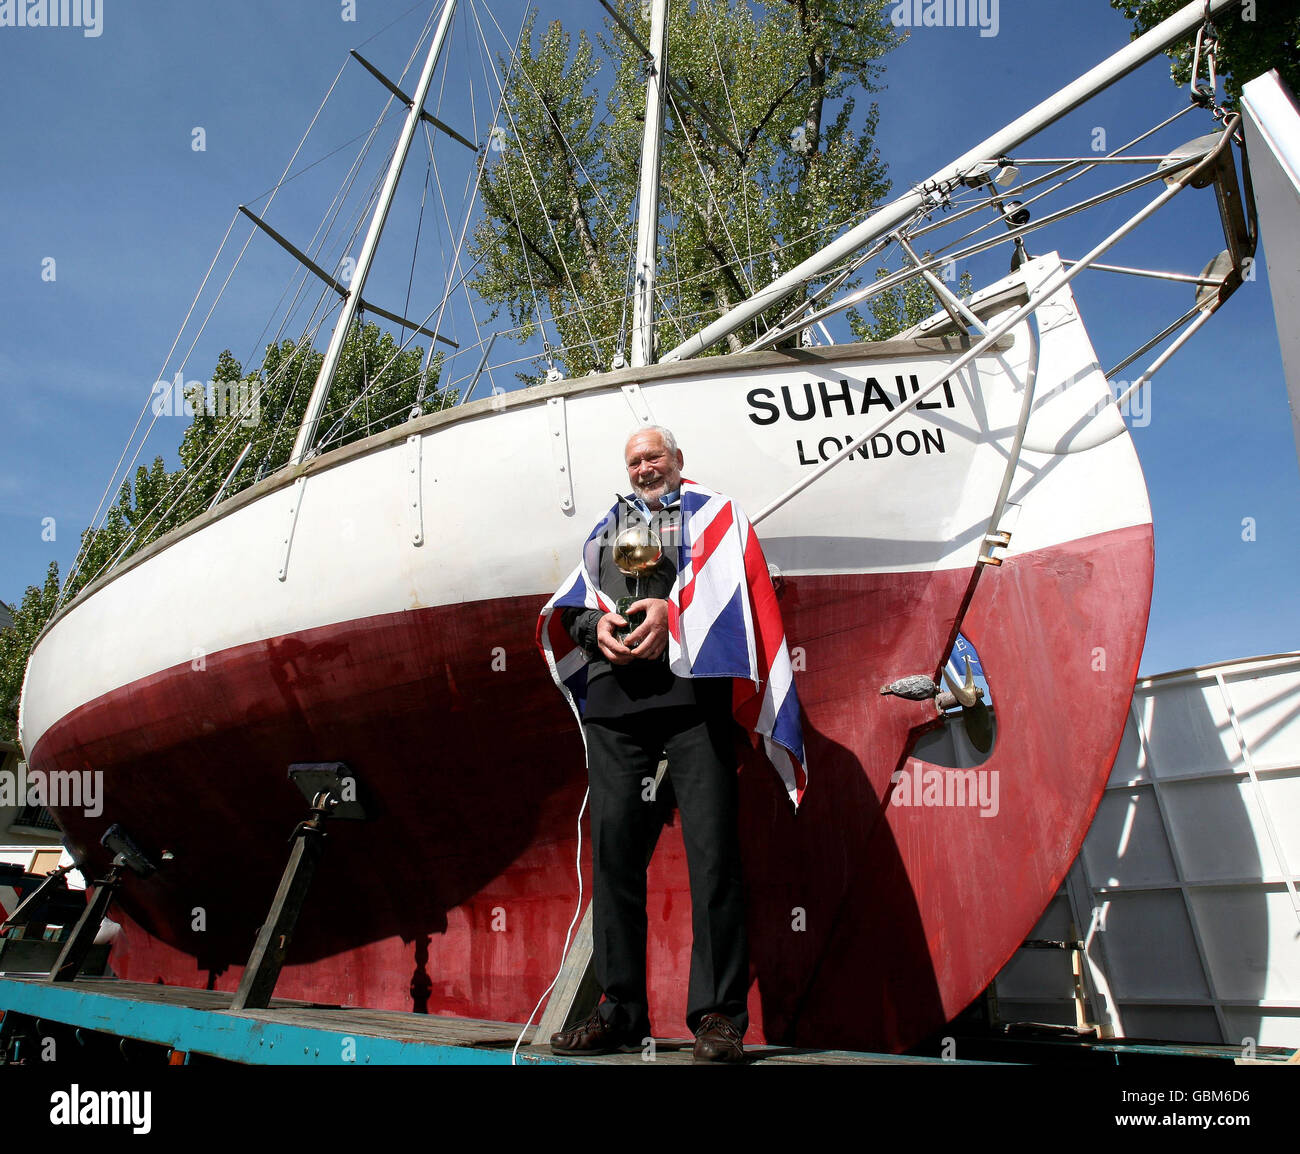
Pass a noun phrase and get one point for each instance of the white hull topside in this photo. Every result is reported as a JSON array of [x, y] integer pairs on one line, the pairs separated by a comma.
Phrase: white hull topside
[[492, 499]]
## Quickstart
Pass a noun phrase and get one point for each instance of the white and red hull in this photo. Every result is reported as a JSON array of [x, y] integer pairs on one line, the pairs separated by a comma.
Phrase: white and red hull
[[378, 608]]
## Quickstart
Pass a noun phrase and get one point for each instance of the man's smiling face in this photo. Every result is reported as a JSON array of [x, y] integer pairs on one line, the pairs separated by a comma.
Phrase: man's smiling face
[[651, 468]]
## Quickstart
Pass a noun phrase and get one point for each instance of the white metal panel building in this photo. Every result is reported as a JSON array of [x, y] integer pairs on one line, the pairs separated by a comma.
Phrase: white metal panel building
[[1185, 893]]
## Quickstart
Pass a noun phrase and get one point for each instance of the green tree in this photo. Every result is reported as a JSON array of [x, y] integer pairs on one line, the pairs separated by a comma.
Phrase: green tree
[[375, 388], [1252, 39], [16, 643], [545, 238], [132, 521], [763, 157]]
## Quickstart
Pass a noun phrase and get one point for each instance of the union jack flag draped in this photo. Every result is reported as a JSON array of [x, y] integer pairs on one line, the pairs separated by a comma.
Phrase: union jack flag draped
[[723, 621]]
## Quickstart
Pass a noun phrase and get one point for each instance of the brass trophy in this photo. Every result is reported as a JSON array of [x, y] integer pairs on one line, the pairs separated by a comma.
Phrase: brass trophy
[[637, 550]]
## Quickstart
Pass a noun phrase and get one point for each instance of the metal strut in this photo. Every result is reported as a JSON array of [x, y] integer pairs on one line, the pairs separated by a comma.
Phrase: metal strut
[[995, 538], [126, 856]]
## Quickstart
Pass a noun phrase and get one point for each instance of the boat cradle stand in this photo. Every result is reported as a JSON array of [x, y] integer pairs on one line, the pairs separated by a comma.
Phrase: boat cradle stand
[[332, 791]]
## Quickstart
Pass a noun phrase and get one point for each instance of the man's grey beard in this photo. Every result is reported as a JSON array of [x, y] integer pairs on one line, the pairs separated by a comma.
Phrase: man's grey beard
[[644, 491]]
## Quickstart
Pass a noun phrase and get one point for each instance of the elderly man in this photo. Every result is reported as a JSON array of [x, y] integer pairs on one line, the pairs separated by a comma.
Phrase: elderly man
[[637, 711]]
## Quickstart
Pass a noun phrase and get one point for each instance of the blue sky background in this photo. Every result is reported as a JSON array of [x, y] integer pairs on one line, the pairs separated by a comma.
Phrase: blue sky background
[[100, 174]]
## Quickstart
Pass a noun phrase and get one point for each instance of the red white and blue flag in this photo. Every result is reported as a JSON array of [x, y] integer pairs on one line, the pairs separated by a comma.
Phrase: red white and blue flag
[[723, 621]]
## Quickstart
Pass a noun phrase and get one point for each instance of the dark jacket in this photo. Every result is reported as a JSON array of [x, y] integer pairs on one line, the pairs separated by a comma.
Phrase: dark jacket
[[616, 690]]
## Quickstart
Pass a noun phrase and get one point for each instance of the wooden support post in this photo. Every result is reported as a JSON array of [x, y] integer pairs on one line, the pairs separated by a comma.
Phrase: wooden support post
[[1081, 1014], [272, 945], [576, 993]]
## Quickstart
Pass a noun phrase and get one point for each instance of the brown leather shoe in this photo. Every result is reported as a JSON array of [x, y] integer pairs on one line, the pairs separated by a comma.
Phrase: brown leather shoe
[[718, 1040], [594, 1036]]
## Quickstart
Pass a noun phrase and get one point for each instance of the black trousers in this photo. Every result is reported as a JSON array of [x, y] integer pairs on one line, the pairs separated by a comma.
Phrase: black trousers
[[622, 757]]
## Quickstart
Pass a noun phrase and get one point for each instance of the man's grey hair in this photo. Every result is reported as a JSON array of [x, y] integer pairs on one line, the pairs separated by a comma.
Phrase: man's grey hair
[[670, 442]]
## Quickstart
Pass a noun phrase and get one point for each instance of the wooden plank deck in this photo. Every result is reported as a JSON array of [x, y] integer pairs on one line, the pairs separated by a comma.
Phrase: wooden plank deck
[[303, 1033]]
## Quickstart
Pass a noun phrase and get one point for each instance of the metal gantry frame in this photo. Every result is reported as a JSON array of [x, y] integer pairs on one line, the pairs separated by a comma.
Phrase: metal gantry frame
[[930, 192], [1187, 171]]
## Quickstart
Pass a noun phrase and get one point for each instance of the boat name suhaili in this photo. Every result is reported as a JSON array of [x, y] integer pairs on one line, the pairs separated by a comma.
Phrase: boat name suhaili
[[764, 410]]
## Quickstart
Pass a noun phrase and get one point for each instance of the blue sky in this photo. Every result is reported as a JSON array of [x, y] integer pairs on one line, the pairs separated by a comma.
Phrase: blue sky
[[102, 176]]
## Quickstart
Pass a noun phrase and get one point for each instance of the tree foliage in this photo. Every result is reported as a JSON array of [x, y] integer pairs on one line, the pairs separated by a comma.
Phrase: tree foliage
[[762, 159], [375, 387], [16, 643], [1252, 39], [897, 309]]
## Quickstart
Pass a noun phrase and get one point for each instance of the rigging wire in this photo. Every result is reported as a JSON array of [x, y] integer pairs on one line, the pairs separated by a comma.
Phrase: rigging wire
[[472, 196], [979, 203], [546, 217], [439, 308], [97, 520], [743, 274], [193, 470], [453, 267], [398, 19], [325, 295], [320, 238], [419, 227], [76, 563], [735, 124], [592, 184], [978, 247], [323, 232], [660, 286]]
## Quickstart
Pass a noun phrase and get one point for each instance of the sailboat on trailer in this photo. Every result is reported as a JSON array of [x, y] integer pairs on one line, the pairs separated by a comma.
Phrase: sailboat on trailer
[[378, 601]]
